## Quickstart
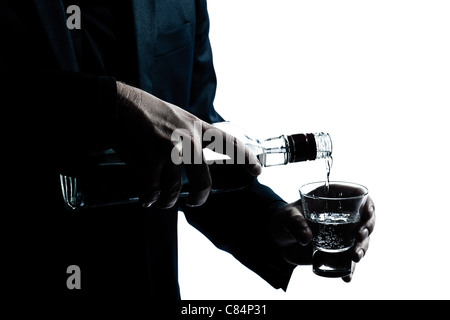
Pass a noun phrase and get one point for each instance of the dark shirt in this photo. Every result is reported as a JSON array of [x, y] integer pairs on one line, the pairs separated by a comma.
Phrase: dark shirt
[[104, 44]]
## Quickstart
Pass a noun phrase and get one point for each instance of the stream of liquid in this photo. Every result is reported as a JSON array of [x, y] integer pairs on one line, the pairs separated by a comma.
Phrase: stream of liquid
[[328, 164]]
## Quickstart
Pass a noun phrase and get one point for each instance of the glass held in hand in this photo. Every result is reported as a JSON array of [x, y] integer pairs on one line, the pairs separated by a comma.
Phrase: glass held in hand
[[333, 214]]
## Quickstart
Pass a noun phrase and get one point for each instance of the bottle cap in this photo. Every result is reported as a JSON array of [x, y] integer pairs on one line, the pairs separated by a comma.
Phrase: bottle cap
[[302, 147]]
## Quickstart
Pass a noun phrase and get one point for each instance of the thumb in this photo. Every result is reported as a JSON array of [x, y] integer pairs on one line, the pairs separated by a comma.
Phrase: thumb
[[299, 229], [295, 224], [230, 145]]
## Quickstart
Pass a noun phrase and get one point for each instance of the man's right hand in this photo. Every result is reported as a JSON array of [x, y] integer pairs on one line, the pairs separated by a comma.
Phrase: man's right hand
[[145, 127]]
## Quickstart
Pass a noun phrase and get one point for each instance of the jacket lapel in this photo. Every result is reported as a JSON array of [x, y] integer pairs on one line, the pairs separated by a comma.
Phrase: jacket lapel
[[53, 17], [144, 25]]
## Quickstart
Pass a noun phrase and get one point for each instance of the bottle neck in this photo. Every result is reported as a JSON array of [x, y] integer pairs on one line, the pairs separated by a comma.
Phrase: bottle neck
[[324, 145]]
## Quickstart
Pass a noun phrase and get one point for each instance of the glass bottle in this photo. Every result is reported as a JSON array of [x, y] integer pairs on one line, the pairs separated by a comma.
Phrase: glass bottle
[[283, 149], [110, 181]]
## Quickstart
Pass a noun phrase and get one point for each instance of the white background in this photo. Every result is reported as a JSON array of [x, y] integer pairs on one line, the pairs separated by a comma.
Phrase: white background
[[376, 76]]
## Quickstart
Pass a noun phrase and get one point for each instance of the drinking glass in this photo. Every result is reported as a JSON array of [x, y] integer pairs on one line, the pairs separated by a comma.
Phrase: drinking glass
[[332, 212]]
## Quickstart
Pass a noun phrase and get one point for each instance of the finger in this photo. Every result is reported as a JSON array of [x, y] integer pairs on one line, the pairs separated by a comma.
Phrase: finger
[[234, 148], [360, 249], [170, 185], [350, 276], [149, 197], [150, 184], [295, 224], [297, 254], [199, 184], [368, 220]]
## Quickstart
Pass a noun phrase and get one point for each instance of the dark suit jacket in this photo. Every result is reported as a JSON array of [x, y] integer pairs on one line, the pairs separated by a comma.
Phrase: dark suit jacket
[[57, 114]]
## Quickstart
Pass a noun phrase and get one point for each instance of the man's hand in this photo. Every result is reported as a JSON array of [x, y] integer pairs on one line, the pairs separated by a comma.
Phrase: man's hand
[[290, 230], [145, 127]]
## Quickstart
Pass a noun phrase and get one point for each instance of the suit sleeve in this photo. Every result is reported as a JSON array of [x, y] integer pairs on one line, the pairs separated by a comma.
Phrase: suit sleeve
[[238, 223]]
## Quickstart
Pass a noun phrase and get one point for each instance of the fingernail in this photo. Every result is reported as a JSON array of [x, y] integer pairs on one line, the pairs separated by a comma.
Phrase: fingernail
[[360, 254], [148, 204], [190, 205], [364, 233], [305, 236], [149, 199]]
